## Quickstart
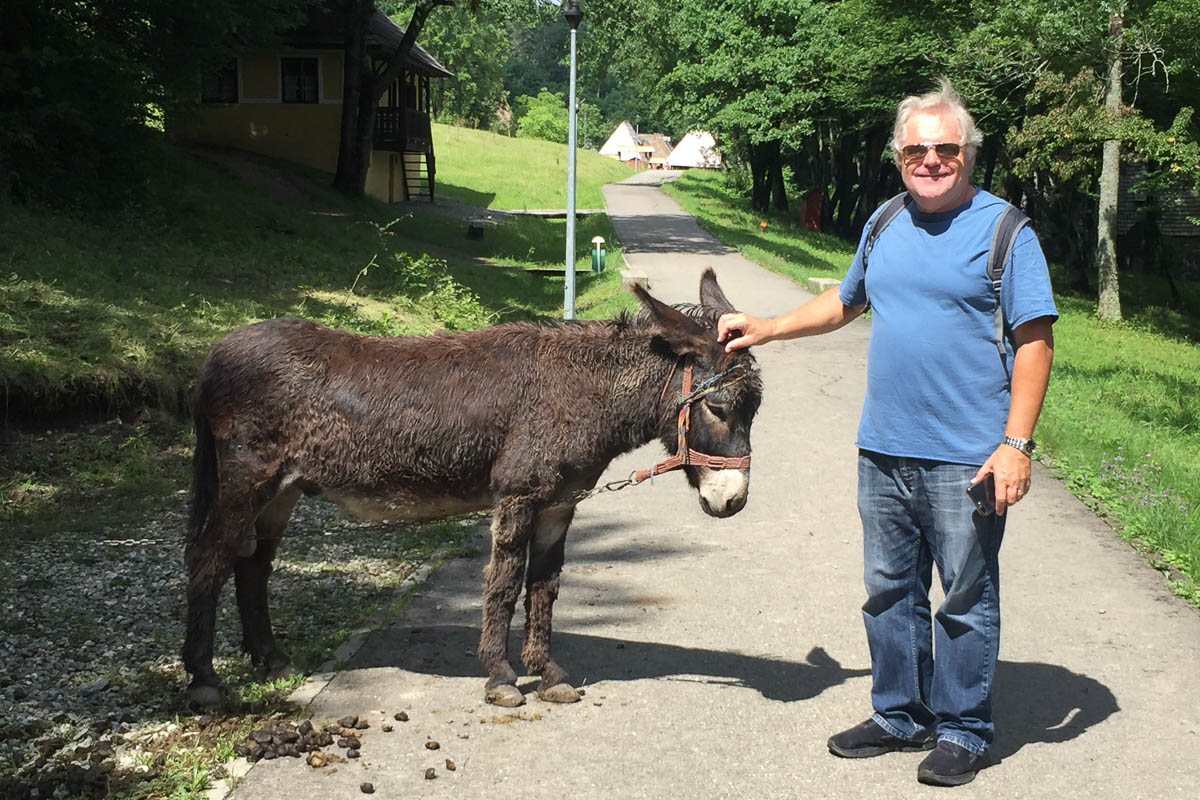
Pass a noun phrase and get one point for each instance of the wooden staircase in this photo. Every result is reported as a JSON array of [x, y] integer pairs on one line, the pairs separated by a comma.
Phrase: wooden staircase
[[417, 170]]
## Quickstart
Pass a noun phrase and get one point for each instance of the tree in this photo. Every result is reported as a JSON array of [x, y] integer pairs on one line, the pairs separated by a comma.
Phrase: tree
[[84, 85], [537, 57], [474, 46], [1110, 171], [542, 117], [1074, 90], [364, 83]]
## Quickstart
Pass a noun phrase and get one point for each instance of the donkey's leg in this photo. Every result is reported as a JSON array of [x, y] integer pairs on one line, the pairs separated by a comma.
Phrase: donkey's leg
[[250, 577], [512, 523], [541, 590], [208, 571], [210, 560]]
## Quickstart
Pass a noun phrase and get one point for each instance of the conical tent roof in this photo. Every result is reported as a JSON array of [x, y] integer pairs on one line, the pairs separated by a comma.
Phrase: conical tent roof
[[623, 140], [697, 149]]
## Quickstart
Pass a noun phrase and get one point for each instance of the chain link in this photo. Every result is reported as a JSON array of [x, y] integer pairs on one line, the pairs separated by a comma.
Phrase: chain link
[[143, 542]]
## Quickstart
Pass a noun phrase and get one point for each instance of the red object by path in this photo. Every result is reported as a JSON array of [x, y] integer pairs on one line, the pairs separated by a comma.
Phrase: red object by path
[[810, 211]]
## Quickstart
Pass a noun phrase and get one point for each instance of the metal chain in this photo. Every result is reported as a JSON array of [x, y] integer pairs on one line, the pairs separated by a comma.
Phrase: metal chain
[[611, 486], [143, 542]]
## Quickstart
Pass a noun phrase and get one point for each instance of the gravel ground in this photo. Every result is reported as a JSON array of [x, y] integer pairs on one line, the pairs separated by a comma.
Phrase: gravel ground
[[91, 685]]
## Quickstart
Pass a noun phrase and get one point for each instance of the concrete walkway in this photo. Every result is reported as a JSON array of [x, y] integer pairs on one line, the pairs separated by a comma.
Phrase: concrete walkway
[[718, 655]]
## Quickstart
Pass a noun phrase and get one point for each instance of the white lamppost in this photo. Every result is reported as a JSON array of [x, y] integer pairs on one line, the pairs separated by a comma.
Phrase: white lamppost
[[574, 15]]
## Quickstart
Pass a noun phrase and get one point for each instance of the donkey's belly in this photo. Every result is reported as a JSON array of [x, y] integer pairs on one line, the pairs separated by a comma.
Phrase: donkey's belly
[[406, 506]]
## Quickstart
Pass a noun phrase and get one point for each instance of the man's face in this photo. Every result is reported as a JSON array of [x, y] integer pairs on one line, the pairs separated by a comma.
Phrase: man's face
[[936, 183]]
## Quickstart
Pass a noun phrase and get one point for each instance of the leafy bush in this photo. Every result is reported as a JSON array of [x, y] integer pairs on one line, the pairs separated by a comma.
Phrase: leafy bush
[[542, 117]]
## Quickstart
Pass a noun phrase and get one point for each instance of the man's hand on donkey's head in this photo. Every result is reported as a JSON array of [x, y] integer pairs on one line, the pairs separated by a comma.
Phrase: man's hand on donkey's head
[[729, 326]]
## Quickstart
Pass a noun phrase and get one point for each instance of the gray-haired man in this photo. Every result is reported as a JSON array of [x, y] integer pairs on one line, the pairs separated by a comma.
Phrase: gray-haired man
[[942, 412]]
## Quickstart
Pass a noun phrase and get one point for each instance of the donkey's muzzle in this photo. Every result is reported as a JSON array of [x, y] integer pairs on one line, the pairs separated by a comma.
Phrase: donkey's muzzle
[[723, 492]]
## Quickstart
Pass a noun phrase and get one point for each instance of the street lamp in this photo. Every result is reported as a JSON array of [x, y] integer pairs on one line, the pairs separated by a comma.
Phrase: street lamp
[[574, 15]]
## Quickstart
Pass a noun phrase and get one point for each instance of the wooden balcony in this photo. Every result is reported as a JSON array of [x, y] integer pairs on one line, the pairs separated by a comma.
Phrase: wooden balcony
[[403, 130]]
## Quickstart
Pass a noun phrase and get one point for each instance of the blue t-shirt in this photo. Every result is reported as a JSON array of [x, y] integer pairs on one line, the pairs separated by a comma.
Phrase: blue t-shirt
[[936, 386]]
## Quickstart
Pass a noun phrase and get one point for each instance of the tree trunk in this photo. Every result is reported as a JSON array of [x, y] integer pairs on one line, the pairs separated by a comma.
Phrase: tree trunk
[[823, 175], [760, 188], [1106, 250], [355, 70], [871, 183], [775, 176], [991, 150], [845, 177], [363, 85], [1077, 237]]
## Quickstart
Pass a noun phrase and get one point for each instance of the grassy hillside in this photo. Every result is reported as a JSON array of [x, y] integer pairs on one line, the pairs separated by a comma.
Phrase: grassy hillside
[[104, 320], [485, 169], [1122, 418], [107, 317]]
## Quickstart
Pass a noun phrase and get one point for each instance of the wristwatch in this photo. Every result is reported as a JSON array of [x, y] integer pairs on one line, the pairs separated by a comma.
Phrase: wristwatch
[[1024, 445]]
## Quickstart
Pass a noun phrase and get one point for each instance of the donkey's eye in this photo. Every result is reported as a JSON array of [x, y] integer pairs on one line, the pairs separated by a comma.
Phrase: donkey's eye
[[719, 410]]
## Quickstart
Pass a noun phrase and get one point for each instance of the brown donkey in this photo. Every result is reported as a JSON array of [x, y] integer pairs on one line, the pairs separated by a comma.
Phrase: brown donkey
[[518, 418]]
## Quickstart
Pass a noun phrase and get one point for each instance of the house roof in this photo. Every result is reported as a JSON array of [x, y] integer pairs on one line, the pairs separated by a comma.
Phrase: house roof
[[696, 149], [659, 146], [325, 29], [622, 138]]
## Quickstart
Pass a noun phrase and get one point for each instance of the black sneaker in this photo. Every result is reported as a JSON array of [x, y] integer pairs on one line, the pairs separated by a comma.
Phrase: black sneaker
[[869, 739], [948, 765]]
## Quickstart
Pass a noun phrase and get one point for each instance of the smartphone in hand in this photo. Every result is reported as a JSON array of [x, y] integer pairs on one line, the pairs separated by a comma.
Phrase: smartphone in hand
[[983, 495]]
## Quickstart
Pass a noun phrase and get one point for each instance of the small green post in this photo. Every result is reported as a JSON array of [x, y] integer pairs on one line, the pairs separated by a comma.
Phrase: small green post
[[598, 254]]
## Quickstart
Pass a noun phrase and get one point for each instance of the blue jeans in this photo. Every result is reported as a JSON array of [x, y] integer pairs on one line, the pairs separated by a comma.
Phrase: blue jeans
[[916, 513]]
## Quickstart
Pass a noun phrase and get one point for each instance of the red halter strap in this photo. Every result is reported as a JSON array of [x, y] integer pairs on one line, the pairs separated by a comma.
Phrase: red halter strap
[[684, 455]]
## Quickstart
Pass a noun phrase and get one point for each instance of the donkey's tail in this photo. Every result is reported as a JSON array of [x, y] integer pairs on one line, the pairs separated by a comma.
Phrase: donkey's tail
[[204, 478]]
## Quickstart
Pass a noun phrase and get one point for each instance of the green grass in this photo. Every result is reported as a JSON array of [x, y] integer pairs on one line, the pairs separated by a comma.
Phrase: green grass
[[1121, 423], [104, 315], [783, 246], [105, 318], [486, 169]]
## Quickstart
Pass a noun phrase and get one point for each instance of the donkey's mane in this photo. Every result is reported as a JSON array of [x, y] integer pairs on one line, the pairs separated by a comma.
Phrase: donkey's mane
[[626, 319], [704, 315]]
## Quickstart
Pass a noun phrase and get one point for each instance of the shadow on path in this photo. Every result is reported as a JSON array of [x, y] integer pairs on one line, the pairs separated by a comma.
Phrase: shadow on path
[[1036, 702], [667, 233], [1043, 703], [449, 650]]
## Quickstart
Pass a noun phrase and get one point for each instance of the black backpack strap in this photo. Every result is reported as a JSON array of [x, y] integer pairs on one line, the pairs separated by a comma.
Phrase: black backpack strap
[[891, 210], [1004, 237]]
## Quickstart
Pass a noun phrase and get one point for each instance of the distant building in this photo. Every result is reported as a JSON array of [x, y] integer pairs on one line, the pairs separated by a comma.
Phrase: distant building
[[696, 149], [661, 149], [286, 102], [622, 143], [1156, 230], [637, 150]]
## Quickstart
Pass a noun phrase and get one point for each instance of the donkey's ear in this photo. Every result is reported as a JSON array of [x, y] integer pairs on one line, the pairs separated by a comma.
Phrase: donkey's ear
[[682, 333], [711, 294]]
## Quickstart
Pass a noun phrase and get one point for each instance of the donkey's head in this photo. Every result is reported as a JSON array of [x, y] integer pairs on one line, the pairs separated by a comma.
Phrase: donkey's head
[[711, 398]]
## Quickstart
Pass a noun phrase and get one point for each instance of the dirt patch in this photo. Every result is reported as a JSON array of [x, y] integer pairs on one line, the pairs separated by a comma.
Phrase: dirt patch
[[267, 178]]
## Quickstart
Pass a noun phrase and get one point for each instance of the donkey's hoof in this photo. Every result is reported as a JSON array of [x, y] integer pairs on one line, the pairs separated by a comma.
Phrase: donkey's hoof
[[285, 671], [204, 696], [505, 695], [559, 693]]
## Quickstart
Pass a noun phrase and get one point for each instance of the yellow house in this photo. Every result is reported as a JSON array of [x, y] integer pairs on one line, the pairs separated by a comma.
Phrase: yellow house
[[287, 103]]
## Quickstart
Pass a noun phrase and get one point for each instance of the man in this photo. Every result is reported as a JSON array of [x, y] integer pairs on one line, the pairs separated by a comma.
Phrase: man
[[942, 411]]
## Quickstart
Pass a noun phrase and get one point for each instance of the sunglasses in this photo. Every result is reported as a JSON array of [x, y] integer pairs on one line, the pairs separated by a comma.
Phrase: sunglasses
[[944, 150]]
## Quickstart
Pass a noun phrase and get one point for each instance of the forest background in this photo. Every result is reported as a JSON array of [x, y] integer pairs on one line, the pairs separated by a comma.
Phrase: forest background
[[800, 93]]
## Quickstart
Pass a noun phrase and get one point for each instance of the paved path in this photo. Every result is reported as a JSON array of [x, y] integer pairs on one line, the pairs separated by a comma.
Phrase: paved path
[[718, 655]]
